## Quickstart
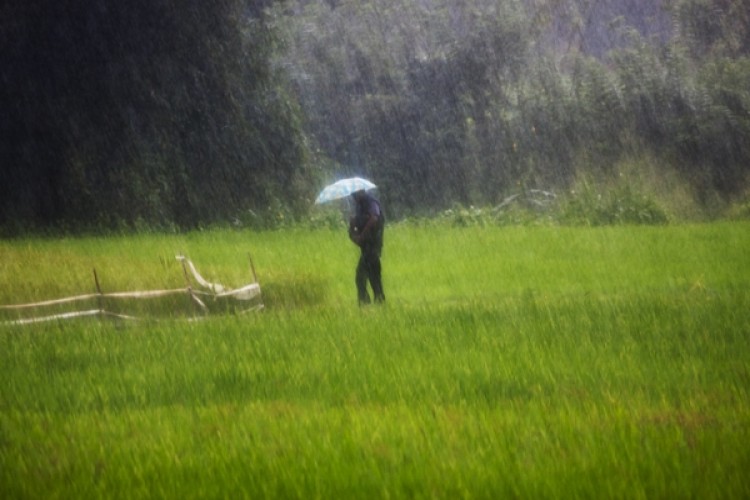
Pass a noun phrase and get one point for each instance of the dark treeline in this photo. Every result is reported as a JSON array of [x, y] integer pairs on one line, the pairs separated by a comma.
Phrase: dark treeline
[[154, 113], [181, 114]]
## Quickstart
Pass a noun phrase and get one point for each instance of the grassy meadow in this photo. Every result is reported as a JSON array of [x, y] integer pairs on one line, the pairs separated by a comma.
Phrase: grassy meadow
[[531, 362]]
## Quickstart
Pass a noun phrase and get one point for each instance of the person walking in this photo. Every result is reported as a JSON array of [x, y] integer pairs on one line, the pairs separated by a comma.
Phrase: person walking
[[366, 230]]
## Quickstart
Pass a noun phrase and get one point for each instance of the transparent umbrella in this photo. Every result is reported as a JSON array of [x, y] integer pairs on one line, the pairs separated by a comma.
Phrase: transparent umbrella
[[343, 188]]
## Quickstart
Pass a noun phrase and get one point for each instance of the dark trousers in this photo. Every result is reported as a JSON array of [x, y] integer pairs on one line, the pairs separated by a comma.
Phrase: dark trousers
[[368, 269]]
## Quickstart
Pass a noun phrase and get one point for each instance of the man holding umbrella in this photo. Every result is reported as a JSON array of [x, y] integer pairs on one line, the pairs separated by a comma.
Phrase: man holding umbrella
[[366, 229]]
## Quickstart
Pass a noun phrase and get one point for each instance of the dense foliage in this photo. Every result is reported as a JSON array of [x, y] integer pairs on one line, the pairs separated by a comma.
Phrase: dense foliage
[[160, 113], [444, 102], [178, 115]]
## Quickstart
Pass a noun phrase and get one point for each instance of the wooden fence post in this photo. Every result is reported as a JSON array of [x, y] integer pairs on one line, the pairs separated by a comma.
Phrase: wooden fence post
[[99, 298], [252, 267]]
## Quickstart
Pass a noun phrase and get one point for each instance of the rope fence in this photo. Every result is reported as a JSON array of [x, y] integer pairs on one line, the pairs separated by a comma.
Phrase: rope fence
[[250, 294]]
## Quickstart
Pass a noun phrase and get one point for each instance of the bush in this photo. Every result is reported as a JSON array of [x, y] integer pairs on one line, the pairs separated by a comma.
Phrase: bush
[[739, 210], [621, 205], [461, 216]]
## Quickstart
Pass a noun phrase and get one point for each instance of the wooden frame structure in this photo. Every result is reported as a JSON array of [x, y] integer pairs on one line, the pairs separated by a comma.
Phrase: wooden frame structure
[[201, 296]]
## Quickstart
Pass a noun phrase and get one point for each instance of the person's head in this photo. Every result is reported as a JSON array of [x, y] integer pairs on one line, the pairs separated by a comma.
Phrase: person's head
[[359, 195]]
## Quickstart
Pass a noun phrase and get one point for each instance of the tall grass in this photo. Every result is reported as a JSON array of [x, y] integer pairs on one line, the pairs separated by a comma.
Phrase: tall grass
[[522, 362]]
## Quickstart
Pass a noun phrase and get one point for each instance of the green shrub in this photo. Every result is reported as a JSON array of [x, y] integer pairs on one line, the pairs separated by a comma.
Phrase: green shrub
[[461, 216], [740, 209], [620, 205]]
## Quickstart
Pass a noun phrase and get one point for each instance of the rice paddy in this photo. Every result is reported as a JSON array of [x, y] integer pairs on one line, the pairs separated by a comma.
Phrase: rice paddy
[[507, 362]]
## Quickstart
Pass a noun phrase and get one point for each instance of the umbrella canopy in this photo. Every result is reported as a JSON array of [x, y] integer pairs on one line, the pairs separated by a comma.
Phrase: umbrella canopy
[[343, 188]]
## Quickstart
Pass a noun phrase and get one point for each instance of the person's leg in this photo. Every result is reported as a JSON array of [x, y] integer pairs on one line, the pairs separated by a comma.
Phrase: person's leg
[[361, 280], [374, 275]]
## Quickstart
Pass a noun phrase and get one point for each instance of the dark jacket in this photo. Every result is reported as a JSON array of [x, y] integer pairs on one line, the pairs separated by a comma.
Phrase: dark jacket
[[366, 207]]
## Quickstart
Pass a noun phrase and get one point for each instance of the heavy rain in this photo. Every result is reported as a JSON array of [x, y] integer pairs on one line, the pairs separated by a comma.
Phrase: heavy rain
[[375, 249], [237, 111]]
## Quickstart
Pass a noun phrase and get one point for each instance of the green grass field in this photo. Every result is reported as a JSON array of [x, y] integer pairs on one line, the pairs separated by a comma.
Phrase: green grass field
[[531, 362]]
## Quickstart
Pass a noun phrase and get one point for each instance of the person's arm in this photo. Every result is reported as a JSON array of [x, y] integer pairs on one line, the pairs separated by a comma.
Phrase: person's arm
[[353, 231], [372, 220]]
